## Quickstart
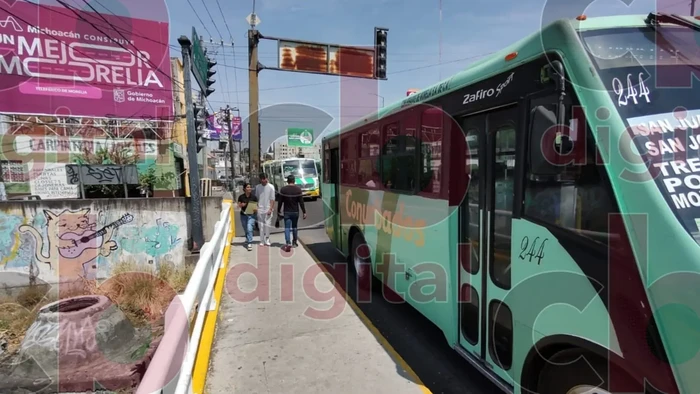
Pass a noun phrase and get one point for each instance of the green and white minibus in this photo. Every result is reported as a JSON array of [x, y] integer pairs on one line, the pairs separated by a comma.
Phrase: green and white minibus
[[305, 171], [541, 207]]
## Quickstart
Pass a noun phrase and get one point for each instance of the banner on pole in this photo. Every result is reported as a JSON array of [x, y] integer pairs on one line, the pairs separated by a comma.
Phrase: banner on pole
[[214, 129], [236, 129]]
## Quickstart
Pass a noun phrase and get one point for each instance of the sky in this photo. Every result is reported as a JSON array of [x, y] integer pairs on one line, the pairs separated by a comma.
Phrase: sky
[[428, 41]]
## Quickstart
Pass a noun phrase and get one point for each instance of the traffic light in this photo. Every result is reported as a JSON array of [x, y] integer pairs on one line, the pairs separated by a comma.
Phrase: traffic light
[[380, 35], [199, 125], [210, 73]]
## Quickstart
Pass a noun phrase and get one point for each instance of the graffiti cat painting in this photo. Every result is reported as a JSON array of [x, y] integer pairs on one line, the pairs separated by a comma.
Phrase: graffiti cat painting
[[71, 239]]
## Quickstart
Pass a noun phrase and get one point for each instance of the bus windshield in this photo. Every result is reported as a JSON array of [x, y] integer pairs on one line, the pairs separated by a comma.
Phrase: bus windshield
[[308, 167], [291, 167], [649, 74]]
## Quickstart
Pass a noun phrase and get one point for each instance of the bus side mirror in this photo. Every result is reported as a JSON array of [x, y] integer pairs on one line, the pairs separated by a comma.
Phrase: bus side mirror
[[545, 144]]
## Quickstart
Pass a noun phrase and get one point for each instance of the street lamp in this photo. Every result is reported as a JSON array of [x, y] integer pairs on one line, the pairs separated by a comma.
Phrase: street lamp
[[381, 97]]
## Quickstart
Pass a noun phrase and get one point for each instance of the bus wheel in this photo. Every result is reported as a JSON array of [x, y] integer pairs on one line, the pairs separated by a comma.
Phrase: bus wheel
[[361, 262], [573, 372]]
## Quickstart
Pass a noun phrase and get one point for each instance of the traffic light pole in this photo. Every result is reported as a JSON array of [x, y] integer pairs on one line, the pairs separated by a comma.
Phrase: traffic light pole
[[230, 142], [253, 97], [195, 193]]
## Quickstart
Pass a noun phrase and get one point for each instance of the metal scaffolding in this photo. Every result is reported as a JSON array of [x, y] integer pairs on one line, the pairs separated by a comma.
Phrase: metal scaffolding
[[108, 128]]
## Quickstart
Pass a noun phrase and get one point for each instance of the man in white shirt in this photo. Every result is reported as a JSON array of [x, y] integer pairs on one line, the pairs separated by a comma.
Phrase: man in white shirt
[[265, 193]]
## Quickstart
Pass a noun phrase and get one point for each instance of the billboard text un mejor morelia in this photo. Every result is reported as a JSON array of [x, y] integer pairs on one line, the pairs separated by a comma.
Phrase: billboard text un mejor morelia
[[54, 63]]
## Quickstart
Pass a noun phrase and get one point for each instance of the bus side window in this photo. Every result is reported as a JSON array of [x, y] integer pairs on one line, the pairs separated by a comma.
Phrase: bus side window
[[368, 167], [561, 188], [399, 159], [348, 159], [431, 130]]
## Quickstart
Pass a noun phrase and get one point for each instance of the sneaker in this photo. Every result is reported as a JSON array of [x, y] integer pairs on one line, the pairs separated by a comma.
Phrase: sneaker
[[261, 244], [249, 247], [296, 244], [267, 242]]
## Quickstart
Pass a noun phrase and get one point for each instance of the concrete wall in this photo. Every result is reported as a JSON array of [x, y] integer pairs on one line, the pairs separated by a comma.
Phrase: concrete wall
[[36, 235]]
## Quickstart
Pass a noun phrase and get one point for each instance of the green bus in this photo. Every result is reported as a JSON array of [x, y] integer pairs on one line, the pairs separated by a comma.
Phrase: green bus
[[541, 207], [305, 170]]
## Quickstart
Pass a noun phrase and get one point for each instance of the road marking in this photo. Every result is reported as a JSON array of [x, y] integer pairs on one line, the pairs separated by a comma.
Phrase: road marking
[[201, 364], [380, 338]]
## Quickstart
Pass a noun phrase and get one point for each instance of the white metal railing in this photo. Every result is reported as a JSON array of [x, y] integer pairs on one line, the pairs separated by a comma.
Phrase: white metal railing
[[170, 370]]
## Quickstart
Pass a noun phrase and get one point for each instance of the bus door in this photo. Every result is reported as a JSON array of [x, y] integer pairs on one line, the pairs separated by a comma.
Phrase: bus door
[[485, 324], [334, 176]]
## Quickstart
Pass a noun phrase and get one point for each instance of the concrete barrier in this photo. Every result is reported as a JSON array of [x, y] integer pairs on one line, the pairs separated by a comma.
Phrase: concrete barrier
[[171, 369]]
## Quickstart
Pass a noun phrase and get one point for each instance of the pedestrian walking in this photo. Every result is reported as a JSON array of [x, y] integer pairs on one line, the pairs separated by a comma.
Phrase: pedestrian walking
[[265, 192], [291, 198], [248, 213]]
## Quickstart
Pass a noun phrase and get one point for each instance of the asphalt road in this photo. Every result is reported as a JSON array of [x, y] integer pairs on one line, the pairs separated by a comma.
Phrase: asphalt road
[[420, 343]]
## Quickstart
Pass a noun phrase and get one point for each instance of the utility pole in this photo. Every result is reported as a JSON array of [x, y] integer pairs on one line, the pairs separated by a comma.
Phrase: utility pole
[[240, 143], [226, 172], [692, 7], [195, 193], [227, 114], [253, 97]]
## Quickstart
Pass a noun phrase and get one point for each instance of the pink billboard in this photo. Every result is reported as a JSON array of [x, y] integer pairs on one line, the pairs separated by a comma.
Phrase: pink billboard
[[68, 62]]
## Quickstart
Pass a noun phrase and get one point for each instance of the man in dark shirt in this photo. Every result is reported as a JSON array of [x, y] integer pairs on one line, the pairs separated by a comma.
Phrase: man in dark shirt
[[291, 197]]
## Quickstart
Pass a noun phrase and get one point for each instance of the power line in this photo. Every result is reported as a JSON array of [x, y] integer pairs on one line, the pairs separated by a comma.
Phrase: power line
[[235, 81], [212, 19], [155, 67], [121, 45], [117, 29], [228, 93], [50, 35], [97, 60], [200, 19], [224, 18], [122, 36]]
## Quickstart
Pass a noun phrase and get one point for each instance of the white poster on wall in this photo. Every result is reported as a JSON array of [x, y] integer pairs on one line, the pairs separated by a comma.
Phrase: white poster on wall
[[49, 182]]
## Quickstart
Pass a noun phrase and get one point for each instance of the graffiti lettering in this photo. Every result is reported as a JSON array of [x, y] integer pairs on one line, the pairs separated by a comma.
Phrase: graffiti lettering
[[73, 175], [109, 175], [67, 337]]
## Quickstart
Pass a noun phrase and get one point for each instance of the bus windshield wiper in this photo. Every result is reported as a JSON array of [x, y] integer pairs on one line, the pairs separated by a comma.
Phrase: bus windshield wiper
[[654, 19]]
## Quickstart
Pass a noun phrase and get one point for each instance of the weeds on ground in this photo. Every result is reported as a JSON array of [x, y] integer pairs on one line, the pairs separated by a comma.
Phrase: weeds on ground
[[141, 292], [18, 312]]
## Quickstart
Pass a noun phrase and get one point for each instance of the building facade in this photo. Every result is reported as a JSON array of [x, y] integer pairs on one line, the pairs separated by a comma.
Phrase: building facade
[[281, 150]]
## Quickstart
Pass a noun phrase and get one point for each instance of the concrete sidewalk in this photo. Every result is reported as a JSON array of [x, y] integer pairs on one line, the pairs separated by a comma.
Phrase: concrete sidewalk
[[284, 328]]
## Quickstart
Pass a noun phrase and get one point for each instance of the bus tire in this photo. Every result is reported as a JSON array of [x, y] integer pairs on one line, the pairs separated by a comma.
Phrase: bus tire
[[571, 369], [361, 262]]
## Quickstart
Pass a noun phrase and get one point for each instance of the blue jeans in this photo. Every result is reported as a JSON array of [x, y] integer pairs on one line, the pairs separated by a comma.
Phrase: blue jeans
[[290, 225], [247, 221]]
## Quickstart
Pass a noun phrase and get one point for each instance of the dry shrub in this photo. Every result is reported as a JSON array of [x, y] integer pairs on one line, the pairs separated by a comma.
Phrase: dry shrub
[[141, 292], [18, 312]]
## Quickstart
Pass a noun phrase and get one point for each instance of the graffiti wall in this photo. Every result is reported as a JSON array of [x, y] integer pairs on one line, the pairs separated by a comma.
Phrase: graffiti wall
[[58, 240]]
